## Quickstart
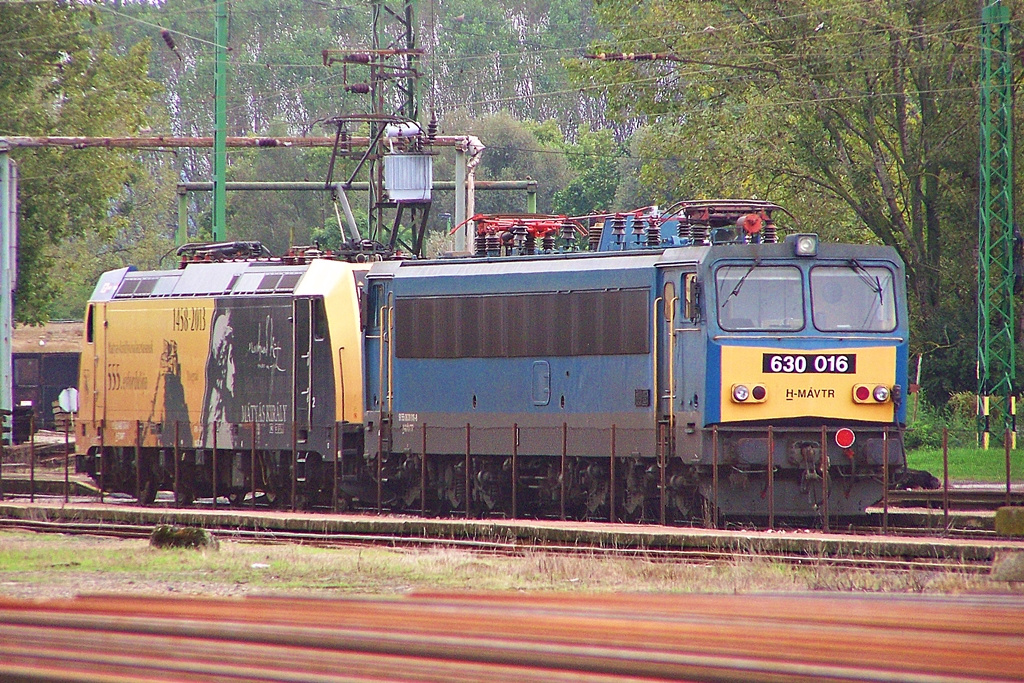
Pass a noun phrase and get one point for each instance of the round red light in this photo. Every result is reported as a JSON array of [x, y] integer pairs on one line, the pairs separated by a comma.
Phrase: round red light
[[758, 392], [863, 393], [845, 437]]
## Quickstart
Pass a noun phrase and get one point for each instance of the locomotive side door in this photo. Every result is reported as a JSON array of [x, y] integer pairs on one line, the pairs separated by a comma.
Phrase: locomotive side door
[[377, 354], [677, 322], [665, 315], [94, 361], [302, 370]]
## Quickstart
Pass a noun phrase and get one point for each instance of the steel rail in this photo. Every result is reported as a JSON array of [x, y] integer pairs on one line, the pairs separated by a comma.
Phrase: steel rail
[[504, 636], [511, 548]]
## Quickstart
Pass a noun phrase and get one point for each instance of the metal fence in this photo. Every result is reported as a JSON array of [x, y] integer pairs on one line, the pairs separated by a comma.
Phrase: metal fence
[[618, 445]]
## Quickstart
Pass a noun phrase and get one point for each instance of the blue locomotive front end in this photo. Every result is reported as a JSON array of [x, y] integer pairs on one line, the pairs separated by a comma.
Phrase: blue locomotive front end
[[802, 400]]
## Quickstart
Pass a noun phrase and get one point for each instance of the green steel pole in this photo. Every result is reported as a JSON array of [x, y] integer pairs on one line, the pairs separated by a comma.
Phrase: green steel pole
[[996, 352], [220, 151], [182, 235]]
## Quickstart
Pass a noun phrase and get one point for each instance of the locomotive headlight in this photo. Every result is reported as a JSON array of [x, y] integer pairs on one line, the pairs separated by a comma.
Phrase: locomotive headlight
[[881, 394], [805, 245], [740, 393]]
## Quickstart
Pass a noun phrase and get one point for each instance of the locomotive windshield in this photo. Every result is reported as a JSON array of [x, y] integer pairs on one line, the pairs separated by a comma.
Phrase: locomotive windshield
[[853, 298], [754, 298]]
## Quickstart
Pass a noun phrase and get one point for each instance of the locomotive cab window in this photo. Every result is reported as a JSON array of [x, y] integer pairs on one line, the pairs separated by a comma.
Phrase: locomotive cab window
[[759, 298], [374, 302], [90, 325], [853, 298], [319, 320]]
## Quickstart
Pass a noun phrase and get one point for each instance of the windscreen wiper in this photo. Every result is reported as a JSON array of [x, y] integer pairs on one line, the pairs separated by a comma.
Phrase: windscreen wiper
[[870, 280], [739, 283]]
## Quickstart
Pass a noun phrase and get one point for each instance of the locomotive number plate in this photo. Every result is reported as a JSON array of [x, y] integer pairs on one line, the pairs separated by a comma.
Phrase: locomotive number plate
[[810, 363]]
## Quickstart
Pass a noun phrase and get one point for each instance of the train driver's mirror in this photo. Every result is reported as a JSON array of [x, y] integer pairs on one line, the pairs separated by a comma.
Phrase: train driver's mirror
[[692, 294]]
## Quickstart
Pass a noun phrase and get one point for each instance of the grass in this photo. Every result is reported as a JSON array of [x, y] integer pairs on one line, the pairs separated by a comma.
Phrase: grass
[[44, 566], [971, 464]]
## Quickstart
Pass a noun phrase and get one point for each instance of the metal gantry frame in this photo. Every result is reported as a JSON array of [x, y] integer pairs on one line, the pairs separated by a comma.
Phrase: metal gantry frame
[[996, 352], [392, 85]]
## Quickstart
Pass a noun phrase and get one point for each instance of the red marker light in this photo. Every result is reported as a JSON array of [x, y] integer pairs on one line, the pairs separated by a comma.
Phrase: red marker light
[[758, 392], [845, 437], [863, 393]]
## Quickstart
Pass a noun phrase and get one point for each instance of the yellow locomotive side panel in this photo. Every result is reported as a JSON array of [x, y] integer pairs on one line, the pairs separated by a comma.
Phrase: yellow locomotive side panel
[[805, 384], [337, 284], [154, 358]]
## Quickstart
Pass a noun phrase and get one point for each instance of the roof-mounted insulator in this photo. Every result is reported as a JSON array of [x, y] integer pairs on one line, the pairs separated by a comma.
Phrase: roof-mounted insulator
[[594, 235], [653, 232], [639, 226], [684, 229], [618, 225], [567, 231], [432, 127]]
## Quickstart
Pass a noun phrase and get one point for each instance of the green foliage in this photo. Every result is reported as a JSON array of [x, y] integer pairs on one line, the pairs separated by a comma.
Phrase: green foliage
[[861, 116], [516, 151], [927, 420], [60, 76], [593, 159]]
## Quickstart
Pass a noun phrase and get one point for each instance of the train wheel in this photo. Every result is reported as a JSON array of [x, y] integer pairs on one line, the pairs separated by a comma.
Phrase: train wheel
[[450, 485], [147, 489], [186, 496], [236, 496]]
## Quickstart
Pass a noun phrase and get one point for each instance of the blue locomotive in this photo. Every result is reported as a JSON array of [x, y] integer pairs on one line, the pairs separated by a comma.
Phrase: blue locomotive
[[687, 366]]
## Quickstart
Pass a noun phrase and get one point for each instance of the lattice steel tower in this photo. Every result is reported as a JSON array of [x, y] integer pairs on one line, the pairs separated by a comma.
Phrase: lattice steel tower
[[996, 353]]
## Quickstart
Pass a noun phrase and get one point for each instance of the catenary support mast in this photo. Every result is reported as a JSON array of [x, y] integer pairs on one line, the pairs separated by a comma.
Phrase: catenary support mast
[[996, 353]]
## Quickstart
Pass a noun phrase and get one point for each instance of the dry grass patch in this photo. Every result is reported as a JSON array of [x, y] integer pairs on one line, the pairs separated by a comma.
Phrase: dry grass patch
[[46, 565]]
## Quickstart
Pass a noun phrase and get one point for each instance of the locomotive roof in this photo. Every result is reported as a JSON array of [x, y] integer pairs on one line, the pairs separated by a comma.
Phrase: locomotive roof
[[243, 278], [620, 261], [523, 273]]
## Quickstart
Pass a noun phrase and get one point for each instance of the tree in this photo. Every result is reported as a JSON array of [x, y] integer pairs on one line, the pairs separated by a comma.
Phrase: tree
[[594, 161], [60, 76], [867, 109]]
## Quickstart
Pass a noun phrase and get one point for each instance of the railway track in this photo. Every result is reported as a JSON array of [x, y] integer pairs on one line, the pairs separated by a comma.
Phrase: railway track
[[515, 637], [598, 547]]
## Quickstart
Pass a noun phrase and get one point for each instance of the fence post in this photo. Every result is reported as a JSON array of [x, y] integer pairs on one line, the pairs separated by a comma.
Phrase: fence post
[[945, 477], [824, 478], [252, 466], [1006, 445], [468, 446], [885, 480], [771, 477], [177, 464], [611, 481], [103, 455], [515, 470], [213, 464], [662, 454], [138, 462], [423, 475], [295, 464], [31, 456], [561, 495], [67, 456]]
